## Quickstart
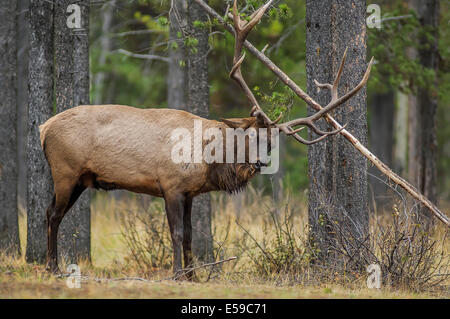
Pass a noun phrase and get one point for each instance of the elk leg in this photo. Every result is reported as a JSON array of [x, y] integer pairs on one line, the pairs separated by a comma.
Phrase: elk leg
[[76, 193], [62, 201], [187, 236], [174, 210], [52, 265]]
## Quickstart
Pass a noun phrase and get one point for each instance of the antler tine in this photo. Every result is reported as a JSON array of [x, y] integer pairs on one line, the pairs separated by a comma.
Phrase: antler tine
[[290, 132], [244, 26], [334, 102], [242, 29], [236, 18], [260, 113], [335, 86], [320, 132], [256, 16], [237, 65], [323, 85]]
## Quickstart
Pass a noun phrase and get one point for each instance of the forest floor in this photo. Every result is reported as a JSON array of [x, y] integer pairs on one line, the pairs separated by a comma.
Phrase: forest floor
[[42, 286], [113, 260]]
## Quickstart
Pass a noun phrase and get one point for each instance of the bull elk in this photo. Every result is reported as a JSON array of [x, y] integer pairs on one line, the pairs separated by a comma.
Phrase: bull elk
[[120, 147]]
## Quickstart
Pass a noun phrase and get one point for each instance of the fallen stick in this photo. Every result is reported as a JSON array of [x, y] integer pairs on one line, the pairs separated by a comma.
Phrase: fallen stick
[[177, 275], [186, 271], [356, 143]]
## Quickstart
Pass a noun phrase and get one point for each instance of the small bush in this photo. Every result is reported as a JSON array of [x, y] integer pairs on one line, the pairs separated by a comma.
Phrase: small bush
[[147, 237], [409, 256]]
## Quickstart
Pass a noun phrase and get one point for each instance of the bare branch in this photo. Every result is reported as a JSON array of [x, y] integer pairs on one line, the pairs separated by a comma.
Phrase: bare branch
[[143, 56]]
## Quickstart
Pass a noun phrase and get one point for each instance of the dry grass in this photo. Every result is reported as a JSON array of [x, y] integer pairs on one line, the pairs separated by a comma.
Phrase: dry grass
[[240, 224]]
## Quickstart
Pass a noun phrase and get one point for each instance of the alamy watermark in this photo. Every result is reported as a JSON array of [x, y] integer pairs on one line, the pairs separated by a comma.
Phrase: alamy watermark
[[252, 146], [74, 19], [374, 278], [74, 278], [374, 20]]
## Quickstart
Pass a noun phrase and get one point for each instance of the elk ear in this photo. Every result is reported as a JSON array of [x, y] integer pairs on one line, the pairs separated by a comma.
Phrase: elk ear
[[243, 123]]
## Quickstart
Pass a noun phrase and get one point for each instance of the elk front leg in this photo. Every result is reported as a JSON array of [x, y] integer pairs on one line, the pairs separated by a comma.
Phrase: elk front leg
[[175, 210]]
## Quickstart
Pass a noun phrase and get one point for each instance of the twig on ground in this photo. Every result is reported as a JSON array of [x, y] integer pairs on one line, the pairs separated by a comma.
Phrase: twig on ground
[[186, 271]]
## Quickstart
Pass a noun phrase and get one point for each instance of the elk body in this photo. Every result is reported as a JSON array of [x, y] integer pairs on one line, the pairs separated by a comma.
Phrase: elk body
[[120, 147]]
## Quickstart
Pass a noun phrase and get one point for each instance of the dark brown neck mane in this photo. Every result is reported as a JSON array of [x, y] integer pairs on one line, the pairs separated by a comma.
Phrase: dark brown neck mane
[[231, 178]]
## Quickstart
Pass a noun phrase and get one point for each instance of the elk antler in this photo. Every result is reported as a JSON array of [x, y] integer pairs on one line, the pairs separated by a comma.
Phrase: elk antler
[[242, 29]]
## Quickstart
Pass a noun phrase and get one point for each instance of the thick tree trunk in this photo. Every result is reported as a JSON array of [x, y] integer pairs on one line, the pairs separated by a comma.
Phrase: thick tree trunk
[[9, 227], [71, 88], [40, 109], [198, 103], [422, 165], [381, 142], [337, 171], [82, 209], [22, 99], [176, 78]]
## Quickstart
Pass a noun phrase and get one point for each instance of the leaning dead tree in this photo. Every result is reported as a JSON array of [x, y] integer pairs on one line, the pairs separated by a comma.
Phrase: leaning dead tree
[[241, 30]]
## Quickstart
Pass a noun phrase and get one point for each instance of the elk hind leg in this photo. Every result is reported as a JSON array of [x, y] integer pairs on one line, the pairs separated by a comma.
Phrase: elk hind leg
[[65, 196]]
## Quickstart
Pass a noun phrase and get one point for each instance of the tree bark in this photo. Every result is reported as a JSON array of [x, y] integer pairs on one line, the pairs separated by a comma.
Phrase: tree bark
[[22, 100], [9, 227], [106, 44], [198, 103], [337, 171], [71, 88], [422, 159], [40, 109], [400, 153], [177, 77], [82, 209], [381, 142]]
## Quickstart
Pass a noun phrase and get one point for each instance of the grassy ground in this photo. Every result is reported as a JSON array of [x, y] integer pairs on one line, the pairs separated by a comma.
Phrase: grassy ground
[[112, 259], [57, 288]]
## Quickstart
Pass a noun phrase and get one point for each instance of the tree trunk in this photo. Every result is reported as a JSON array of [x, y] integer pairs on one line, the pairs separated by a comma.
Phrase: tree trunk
[[22, 100], [40, 109], [82, 209], [337, 171], [422, 163], [198, 103], [176, 78], [71, 88], [106, 44], [276, 179], [381, 141], [9, 226], [400, 156]]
